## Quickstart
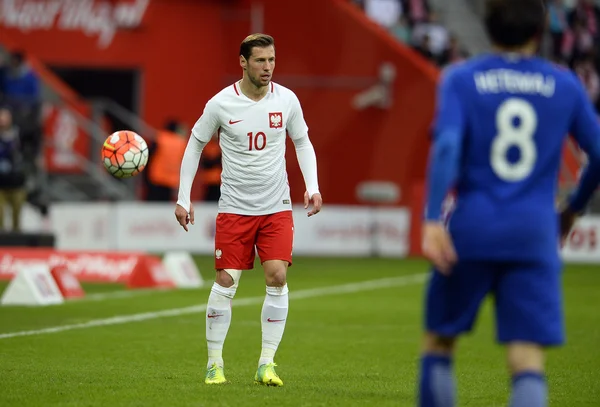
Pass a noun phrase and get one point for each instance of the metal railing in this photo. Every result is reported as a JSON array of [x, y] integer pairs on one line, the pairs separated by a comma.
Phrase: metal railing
[[115, 188], [135, 123], [89, 163]]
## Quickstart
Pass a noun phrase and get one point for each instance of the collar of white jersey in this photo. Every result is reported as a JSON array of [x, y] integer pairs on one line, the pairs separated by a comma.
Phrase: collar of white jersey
[[239, 93]]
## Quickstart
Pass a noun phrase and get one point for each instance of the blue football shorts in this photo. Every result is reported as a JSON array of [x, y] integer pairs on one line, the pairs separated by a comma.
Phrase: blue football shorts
[[527, 298]]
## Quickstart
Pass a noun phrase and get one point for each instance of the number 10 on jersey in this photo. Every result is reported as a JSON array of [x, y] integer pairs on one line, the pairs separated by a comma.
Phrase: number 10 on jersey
[[257, 141]]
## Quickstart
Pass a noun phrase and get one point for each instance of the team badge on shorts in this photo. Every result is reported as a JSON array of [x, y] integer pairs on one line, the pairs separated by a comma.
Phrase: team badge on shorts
[[218, 254], [275, 120]]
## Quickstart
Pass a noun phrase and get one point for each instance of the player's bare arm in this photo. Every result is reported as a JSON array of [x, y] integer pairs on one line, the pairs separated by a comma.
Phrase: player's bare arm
[[183, 216], [438, 247], [316, 202]]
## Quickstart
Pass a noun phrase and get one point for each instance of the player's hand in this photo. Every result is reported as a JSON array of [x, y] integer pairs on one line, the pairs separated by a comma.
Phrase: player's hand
[[183, 217], [317, 202], [438, 247], [567, 220]]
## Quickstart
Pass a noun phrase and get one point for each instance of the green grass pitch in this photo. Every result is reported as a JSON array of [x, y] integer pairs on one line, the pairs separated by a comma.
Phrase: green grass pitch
[[356, 347]]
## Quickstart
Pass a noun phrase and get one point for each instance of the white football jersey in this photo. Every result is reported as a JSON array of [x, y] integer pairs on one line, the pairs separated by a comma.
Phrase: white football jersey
[[252, 136]]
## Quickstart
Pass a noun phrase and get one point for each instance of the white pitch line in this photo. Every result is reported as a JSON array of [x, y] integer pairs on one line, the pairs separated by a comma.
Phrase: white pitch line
[[119, 294], [295, 295]]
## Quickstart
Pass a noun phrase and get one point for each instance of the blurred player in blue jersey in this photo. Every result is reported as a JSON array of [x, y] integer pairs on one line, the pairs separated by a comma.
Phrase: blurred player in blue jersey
[[500, 125]]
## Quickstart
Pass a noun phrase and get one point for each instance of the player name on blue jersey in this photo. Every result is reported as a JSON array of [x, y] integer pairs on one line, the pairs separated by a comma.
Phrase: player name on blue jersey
[[512, 81]]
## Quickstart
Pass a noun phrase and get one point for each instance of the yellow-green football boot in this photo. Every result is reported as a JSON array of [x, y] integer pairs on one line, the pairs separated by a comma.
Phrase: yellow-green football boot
[[266, 375], [215, 375]]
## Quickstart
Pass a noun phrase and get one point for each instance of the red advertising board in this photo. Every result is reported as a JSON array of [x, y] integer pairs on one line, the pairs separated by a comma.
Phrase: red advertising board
[[65, 140], [85, 266]]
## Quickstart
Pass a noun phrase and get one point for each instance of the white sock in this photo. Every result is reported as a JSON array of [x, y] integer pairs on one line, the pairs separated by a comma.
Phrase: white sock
[[274, 315], [218, 318]]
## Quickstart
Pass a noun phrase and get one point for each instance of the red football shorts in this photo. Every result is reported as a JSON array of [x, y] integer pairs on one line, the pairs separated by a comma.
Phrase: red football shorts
[[237, 236]]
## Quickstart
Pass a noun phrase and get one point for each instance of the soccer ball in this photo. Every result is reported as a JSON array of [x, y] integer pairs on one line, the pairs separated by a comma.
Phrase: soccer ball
[[125, 154]]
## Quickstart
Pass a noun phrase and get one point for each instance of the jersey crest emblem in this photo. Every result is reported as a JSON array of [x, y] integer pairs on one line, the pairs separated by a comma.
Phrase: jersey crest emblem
[[275, 120]]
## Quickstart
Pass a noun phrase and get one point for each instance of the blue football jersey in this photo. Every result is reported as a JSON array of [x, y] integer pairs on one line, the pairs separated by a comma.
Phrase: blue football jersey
[[513, 115]]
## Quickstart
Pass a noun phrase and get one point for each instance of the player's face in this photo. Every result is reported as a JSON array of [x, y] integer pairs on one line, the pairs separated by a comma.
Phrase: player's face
[[260, 66]]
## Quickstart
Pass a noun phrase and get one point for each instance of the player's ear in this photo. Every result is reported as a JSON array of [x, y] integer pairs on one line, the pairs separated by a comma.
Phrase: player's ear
[[243, 62]]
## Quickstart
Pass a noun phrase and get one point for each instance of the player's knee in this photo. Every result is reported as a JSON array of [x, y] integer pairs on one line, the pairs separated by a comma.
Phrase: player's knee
[[224, 279], [434, 343], [275, 273], [276, 279], [228, 278], [525, 357]]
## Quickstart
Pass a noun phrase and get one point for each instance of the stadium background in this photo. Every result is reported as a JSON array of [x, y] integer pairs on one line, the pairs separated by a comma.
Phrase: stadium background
[[366, 80], [366, 85]]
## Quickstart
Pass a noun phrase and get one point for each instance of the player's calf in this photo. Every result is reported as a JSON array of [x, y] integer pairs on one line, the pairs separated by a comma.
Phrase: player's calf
[[437, 387], [274, 311], [526, 364], [218, 318]]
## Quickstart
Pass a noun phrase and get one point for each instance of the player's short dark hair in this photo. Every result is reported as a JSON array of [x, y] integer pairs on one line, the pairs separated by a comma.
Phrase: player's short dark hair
[[255, 40], [512, 23]]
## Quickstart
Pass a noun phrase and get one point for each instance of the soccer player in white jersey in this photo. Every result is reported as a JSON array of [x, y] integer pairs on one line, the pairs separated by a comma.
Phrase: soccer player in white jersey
[[251, 118]]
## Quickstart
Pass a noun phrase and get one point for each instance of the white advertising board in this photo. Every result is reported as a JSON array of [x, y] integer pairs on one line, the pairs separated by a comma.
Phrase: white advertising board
[[336, 231], [583, 244], [84, 226], [151, 227]]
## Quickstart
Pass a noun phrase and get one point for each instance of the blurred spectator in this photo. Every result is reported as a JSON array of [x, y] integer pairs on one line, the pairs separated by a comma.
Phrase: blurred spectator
[[3, 73], [12, 176], [384, 12], [424, 48], [417, 11], [581, 42], [413, 23], [437, 33], [587, 73], [558, 26], [588, 14], [162, 172], [20, 83], [454, 53], [21, 91], [210, 163], [401, 30]]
